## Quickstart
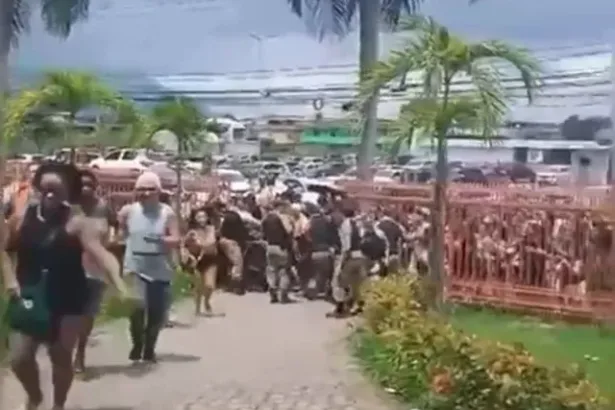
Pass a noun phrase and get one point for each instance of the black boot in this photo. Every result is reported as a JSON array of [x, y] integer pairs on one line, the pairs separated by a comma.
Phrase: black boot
[[273, 296], [284, 298], [339, 312], [137, 322], [155, 323]]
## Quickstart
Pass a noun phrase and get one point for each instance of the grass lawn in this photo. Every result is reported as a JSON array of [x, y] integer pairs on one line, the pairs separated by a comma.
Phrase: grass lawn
[[551, 343]]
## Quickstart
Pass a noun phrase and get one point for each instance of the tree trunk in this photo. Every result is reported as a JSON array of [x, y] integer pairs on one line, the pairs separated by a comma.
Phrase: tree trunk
[[436, 254], [369, 19]]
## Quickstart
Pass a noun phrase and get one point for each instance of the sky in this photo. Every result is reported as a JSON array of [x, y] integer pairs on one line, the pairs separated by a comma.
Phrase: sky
[[155, 44], [195, 36]]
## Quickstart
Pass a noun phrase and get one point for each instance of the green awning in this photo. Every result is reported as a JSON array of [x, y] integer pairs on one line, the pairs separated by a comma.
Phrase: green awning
[[338, 139], [328, 139]]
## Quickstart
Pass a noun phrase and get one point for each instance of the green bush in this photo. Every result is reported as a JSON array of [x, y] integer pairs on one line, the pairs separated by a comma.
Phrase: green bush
[[425, 361]]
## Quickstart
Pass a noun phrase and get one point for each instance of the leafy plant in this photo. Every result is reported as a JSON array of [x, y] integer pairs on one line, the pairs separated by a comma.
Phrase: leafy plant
[[425, 361]]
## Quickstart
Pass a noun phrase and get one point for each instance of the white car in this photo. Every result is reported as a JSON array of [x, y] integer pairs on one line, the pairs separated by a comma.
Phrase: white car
[[127, 159], [237, 182]]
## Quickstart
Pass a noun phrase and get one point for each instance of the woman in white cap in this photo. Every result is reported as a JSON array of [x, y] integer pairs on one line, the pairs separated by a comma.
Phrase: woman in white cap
[[151, 231]]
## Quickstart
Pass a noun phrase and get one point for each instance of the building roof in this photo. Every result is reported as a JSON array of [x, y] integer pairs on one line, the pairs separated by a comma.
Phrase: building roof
[[530, 144]]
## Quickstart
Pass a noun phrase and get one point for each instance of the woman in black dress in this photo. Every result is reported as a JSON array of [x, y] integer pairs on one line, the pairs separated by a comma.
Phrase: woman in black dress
[[49, 239]]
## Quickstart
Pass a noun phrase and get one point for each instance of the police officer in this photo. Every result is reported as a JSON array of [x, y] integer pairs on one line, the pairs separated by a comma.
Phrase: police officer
[[395, 235], [278, 234], [324, 241], [350, 266], [375, 248]]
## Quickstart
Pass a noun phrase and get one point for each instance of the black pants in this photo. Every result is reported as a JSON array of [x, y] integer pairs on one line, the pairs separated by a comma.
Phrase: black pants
[[148, 319]]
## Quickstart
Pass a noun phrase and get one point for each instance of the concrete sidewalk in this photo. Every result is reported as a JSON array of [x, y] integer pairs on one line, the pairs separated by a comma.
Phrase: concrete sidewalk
[[259, 356]]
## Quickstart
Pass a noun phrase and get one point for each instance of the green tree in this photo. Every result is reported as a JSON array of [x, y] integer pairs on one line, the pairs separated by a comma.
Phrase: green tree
[[438, 58], [336, 17], [63, 94], [58, 17], [41, 129], [182, 117]]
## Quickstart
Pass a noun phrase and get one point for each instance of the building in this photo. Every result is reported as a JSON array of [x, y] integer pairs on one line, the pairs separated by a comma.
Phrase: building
[[588, 160]]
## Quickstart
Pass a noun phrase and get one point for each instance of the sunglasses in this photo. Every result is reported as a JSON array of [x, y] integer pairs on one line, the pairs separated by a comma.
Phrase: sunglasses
[[146, 189]]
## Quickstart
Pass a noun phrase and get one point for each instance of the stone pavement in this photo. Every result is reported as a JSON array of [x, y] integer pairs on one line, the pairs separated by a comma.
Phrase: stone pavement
[[258, 357]]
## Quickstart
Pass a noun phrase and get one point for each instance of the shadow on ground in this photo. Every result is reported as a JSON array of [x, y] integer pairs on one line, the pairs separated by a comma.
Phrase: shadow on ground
[[108, 408], [135, 370]]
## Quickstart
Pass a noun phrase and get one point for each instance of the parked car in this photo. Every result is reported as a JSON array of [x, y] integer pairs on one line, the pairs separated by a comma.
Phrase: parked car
[[128, 159], [469, 175], [238, 184], [273, 168]]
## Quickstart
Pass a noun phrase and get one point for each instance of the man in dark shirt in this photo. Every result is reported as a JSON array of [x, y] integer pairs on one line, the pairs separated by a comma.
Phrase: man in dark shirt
[[395, 235], [278, 234], [350, 267], [324, 241]]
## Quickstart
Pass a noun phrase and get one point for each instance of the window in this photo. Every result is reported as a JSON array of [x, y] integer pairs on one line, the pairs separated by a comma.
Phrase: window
[[113, 156], [129, 155], [239, 134], [557, 156]]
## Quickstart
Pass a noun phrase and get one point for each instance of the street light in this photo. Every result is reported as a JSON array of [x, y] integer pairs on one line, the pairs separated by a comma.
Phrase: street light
[[259, 51], [265, 93]]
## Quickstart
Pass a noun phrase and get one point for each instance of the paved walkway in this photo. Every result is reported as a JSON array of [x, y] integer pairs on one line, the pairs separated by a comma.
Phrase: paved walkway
[[258, 357]]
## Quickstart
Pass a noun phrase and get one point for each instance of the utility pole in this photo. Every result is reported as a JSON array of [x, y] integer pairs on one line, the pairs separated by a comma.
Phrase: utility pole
[[260, 61], [611, 177]]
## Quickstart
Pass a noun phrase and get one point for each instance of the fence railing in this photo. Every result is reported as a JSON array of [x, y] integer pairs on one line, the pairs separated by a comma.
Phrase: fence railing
[[518, 248]]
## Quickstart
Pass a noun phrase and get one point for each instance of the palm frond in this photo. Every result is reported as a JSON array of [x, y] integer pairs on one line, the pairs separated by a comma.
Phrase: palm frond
[[392, 10], [491, 98], [520, 59], [325, 17], [73, 91], [182, 117], [398, 64], [59, 16], [19, 19]]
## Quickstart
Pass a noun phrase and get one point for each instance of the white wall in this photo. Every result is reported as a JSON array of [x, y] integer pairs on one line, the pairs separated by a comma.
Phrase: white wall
[[596, 174], [471, 155]]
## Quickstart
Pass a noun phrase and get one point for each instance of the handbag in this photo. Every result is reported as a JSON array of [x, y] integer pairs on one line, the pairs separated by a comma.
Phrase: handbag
[[29, 313]]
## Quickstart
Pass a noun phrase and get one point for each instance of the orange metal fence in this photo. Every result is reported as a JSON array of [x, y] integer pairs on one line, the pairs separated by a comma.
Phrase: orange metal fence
[[518, 248]]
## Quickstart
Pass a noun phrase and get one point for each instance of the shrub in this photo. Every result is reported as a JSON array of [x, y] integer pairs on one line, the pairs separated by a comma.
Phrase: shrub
[[427, 362]]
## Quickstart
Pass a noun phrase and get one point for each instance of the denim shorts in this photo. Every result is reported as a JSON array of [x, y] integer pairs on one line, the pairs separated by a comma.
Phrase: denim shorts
[[96, 291]]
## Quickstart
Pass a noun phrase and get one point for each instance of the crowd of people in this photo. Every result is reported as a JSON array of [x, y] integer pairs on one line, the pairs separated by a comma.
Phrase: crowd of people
[[65, 246]]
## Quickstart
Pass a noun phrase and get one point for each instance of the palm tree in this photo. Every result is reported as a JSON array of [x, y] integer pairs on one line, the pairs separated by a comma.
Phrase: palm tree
[[64, 94], [41, 128], [337, 16], [439, 58], [182, 117]]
